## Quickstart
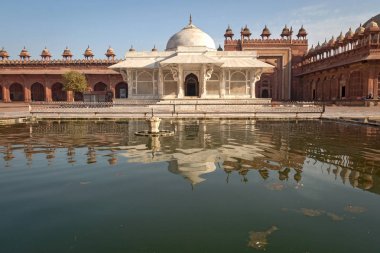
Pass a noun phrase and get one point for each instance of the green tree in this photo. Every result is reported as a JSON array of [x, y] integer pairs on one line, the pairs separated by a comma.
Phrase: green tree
[[74, 81]]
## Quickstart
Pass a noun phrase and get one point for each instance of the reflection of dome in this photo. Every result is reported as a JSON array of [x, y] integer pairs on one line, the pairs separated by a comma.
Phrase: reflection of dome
[[184, 163], [192, 171], [190, 36]]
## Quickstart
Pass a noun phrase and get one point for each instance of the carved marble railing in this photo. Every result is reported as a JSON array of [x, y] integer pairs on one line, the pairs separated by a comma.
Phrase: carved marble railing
[[175, 109]]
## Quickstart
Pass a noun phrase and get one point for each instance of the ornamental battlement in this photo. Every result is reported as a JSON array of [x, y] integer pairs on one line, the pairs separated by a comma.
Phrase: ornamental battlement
[[67, 57], [59, 62], [266, 41]]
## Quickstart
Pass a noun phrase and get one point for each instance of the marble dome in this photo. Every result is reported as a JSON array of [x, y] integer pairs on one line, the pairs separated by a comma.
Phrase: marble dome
[[190, 36]]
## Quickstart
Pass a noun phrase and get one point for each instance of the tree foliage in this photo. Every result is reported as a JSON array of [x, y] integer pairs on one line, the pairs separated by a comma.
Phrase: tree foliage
[[74, 81]]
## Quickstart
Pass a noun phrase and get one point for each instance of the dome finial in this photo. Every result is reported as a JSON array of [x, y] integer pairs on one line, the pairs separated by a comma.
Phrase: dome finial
[[190, 20]]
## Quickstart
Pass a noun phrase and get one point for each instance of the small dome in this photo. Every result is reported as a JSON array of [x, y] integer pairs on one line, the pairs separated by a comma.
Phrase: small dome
[[332, 41], [220, 48], [311, 50], [229, 33], [4, 54], [318, 47], [245, 31], [324, 44], [340, 38], [375, 18], [302, 32], [132, 49], [360, 31], [266, 32], [190, 36], [88, 52], [24, 53], [372, 27], [154, 49], [286, 32], [45, 53], [67, 53], [349, 35], [110, 52]]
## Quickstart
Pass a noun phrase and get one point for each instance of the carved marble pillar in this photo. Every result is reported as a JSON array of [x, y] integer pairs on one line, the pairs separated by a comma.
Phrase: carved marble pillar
[[180, 82], [222, 84], [202, 82], [127, 77], [160, 83], [206, 73], [255, 76]]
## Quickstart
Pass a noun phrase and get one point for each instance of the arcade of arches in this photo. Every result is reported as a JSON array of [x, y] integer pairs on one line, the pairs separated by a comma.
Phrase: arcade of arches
[[18, 91], [351, 84]]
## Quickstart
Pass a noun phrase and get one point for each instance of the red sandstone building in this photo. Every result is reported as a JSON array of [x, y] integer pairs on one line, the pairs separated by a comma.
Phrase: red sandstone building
[[344, 68], [41, 80]]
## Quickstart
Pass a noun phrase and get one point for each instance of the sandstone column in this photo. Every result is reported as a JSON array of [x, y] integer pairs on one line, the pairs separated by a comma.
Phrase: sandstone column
[[48, 97], [27, 94]]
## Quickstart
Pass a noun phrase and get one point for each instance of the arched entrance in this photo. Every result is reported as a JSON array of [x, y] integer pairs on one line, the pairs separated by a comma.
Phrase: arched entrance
[[16, 92], [57, 92], [78, 96], [100, 87], [38, 92], [121, 90], [264, 93], [191, 86]]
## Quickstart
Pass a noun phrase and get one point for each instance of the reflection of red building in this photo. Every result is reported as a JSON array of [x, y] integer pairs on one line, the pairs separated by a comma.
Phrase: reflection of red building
[[41, 80]]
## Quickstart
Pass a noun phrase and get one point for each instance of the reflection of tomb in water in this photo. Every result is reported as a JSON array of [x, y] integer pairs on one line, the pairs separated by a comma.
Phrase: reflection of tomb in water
[[274, 146], [191, 130], [192, 164]]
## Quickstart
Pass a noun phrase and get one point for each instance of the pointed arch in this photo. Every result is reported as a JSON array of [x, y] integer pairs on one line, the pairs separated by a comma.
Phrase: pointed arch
[[16, 92], [191, 85], [37, 92], [100, 86], [57, 92], [121, 90]]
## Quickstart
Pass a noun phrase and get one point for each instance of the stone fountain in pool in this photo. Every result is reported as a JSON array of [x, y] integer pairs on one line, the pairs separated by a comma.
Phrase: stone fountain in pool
[[154, 124]]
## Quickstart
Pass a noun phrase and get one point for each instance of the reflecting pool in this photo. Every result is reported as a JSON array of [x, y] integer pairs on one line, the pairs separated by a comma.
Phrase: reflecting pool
[[215, 186]]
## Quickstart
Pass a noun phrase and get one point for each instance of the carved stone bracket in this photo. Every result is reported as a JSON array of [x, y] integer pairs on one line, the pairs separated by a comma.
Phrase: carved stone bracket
[[255, 77], [127, 75], [208, 71], [174, 69]]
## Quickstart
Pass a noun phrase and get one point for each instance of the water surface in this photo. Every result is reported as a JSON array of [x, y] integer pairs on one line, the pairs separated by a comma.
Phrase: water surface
[[215, 186]]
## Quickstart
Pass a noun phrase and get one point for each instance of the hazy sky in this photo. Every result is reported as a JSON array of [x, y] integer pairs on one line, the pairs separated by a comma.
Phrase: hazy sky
[[142, 23]]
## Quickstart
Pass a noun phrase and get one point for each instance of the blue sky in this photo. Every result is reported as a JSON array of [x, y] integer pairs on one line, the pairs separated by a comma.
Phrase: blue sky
[[142, 23]]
